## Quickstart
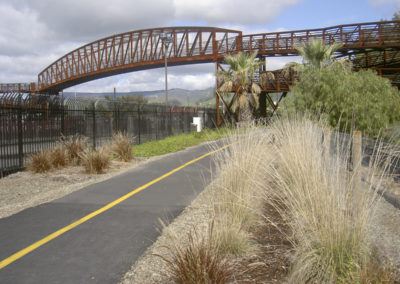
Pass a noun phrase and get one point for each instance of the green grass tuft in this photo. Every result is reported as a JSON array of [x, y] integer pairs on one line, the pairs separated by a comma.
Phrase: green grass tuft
[[176, 143]]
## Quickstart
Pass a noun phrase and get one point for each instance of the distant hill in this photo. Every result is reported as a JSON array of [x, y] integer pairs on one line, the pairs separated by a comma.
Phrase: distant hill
[[179, 96]]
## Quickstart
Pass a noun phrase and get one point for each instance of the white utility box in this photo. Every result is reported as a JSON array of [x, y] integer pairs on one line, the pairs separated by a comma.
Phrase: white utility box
[[198, 121]]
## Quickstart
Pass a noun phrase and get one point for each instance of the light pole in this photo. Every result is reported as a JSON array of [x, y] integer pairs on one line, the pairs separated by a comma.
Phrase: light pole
[[166, 40]]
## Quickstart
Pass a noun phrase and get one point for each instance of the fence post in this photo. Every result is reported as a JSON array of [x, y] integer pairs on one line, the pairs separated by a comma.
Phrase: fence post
[[170, 121], [94, 125], [139, 123], [62, 120], [357, 157], [156, 122], [204, 117], [20, 136]]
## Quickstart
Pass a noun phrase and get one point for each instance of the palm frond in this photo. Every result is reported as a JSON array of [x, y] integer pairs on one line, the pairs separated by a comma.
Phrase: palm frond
[[226, 87]]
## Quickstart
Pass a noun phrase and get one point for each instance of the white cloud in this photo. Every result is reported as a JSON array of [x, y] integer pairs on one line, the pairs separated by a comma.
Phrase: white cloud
[[231, 11], [21, 32]]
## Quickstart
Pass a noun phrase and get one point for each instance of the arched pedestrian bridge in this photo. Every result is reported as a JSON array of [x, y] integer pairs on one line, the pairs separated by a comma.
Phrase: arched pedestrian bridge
[[369, 45]]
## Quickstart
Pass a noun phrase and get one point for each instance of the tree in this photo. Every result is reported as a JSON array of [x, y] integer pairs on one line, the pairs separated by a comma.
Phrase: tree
[[396, 16], [126, 103], [316, 54], [239, 80], [347, 99]]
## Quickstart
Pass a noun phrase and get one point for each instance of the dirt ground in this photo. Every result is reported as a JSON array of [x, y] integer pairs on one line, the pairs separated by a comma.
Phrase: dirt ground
[[26, 189]]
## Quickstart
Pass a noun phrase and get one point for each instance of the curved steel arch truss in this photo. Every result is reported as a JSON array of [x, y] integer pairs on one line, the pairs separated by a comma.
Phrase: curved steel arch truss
[[136, 50]]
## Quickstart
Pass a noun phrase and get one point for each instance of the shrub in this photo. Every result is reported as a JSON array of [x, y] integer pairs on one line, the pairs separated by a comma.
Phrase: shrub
[[232, 239], [361, 100], [327, 213], [95, 161], [74, 146], [198, 261], [40, 162], [238, 167], [236, 202], [121, 146], [58, 157]]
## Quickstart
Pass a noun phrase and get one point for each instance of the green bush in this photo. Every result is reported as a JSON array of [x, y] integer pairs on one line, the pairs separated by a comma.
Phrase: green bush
[[361, 100]]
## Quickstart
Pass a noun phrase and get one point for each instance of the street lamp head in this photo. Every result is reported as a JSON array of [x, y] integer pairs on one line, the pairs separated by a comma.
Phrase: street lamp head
[[166, 37]]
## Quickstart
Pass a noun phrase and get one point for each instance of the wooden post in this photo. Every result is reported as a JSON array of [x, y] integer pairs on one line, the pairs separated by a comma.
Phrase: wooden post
[[357, 157], [218, 117]]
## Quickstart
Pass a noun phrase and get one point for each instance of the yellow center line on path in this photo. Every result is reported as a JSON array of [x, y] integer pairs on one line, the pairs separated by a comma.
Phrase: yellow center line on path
[[103, 209]]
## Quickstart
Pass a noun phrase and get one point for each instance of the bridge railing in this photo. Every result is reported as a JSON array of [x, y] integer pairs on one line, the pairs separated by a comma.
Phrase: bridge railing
[[18, 87], [351, 36]]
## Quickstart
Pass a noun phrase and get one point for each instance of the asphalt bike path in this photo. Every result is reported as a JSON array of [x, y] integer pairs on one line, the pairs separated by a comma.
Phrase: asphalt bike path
[[39, 244]]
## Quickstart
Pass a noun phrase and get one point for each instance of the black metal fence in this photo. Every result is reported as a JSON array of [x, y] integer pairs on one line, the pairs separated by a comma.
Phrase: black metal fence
[[31, 123]]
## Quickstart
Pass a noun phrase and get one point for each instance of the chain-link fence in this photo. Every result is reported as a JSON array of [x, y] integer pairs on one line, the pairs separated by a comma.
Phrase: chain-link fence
[[31, 123]]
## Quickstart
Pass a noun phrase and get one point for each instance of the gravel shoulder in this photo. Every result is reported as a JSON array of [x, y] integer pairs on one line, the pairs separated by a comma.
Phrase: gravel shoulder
[[26, 189], [385, 232]]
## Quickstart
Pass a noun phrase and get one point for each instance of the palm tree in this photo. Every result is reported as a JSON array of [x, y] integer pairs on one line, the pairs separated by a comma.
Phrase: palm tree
[[316, 54], [238, 79]]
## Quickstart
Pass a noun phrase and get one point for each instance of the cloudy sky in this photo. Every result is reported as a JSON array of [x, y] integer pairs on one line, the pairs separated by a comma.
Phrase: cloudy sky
[[34, 33]]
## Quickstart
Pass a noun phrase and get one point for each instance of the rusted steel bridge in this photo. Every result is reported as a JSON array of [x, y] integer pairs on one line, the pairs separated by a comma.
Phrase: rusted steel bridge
[[368, 45]]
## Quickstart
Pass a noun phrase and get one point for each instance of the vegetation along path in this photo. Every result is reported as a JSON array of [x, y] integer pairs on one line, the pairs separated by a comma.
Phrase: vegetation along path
[[93, 235]]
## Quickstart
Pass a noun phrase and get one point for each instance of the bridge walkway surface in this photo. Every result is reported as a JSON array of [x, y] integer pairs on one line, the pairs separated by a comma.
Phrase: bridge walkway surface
[[102, 246]]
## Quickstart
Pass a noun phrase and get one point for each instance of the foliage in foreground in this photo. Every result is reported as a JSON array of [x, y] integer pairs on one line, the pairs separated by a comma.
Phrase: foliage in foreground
[[197, 262], [235, 206], [327, 212], [348, 100], [291, 168]]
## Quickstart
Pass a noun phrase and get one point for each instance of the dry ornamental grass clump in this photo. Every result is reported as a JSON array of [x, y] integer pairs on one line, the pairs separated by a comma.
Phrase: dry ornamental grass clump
[[95, 161], [40, 162], [59, 157], [74, 146], [236, 201], [121, 146], [198, 261], [327, 212]]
